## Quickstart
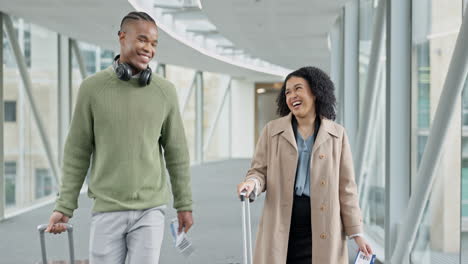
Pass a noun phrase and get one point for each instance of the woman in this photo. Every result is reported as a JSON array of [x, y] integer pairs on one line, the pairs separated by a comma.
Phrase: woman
[[303, 162]]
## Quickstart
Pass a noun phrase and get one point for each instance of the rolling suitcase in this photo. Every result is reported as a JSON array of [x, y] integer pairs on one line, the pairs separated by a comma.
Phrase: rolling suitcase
[[246, 228], [41, 229]]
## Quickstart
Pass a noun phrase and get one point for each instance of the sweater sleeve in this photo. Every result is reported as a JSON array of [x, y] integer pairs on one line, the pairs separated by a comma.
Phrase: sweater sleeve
[[77, 153], [176, 154]]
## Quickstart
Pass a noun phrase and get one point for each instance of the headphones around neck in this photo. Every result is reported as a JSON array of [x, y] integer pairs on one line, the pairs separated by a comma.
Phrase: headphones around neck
[[124, 72]]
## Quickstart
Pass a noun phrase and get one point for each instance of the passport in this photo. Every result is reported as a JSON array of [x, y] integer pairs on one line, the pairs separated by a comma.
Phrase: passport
[[361, 258]]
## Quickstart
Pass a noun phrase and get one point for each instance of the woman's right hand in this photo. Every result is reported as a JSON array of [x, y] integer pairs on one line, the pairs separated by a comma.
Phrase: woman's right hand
[[247, 186]]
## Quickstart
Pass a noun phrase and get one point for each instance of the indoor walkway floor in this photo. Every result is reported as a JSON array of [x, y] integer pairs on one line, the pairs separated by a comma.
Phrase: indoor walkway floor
[[216, 235]]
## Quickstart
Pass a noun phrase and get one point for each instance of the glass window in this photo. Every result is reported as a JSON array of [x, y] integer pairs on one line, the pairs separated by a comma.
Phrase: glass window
[[43, 183], [422, 140], [27, 47], [25, 39], [423, 69], [366, 17], [465, 105], [94, 58], [10, 183], [435, 28], [10, 111], [89, 57], [464, 175], [214, 85], [183, 78], [22, 142], [8, 59], [465, 193], [107, 57], [76, 78]]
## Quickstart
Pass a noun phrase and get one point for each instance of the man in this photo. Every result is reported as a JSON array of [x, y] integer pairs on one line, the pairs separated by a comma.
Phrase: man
[[126, 123]]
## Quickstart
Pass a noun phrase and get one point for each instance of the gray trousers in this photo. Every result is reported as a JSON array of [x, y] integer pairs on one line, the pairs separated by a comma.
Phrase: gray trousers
[[132, 235]]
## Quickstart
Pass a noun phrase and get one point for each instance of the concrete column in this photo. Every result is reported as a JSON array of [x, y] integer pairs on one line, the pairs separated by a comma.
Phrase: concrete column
[[350, 97], [336, 72], [199, 118], [398, 125], [2, 114], [64, 92]]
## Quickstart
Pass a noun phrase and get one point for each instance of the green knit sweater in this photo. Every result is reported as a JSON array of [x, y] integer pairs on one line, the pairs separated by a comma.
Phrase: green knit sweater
[[126, 130]]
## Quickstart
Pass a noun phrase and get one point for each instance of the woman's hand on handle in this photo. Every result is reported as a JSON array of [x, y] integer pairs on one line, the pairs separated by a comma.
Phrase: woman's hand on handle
[[247, 186]]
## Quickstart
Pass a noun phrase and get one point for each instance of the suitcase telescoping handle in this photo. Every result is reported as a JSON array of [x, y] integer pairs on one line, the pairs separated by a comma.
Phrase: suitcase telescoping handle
[[246, 228], [42, 228]]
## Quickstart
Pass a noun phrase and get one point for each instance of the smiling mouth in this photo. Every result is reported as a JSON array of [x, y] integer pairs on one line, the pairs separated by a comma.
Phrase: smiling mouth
[[296, 104], [145, 57]]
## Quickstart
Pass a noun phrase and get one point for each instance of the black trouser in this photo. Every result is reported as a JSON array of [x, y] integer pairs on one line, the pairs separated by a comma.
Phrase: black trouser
[[300, 233]]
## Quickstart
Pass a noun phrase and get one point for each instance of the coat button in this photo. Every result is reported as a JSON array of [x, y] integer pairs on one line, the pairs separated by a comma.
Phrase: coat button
[[323, 207], [321, 156], [323, 236], [323, 182]]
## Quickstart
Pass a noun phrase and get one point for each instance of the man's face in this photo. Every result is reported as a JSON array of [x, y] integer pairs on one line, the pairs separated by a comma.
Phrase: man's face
[[138, 41]]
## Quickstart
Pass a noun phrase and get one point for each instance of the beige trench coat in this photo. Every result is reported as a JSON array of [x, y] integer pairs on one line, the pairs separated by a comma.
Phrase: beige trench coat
[[334, 201]]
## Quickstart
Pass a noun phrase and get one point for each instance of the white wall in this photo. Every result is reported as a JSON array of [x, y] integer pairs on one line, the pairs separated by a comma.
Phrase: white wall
[[243, 118]]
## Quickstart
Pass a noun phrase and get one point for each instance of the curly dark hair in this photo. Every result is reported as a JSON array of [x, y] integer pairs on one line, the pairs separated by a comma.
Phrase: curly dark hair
[[321, 87]]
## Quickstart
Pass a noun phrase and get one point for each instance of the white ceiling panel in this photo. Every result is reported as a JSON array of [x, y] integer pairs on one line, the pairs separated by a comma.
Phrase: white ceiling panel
[[289, 33], [97, 22]]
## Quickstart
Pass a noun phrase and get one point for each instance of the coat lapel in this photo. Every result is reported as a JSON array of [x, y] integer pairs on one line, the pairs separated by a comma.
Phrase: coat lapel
[[284, 127], [288, 134], [327, 130]]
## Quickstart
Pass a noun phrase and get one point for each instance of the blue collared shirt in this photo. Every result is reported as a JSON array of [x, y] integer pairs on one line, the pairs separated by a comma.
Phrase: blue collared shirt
[[304, 148]]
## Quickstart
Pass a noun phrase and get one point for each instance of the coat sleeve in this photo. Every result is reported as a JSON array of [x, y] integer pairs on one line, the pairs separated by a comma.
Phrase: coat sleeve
[[259, 166], [349, 199]]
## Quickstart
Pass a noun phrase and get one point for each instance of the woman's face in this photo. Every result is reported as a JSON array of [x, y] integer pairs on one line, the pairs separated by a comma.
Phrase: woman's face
[[299, 97]]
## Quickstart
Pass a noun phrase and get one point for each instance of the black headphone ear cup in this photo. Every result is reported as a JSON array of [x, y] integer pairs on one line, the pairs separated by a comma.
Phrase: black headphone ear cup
[[145, 77], [124, 72]]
